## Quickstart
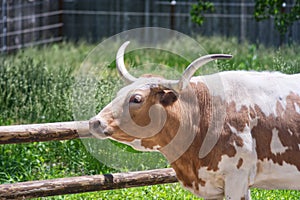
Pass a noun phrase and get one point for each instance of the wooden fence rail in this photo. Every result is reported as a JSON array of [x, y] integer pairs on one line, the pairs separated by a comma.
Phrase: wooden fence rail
[[43, 132], [65, 131], [81, 184]]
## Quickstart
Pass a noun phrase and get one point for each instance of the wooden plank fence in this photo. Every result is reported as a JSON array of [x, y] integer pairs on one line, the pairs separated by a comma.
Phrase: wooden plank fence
[[64, 131]]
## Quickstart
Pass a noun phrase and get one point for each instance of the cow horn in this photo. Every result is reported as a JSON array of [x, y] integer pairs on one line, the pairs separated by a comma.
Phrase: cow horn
[[194, 66], [128, 78]]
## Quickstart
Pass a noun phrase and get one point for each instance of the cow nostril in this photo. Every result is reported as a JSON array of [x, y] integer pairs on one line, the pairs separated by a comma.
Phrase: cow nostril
[[107, 133]]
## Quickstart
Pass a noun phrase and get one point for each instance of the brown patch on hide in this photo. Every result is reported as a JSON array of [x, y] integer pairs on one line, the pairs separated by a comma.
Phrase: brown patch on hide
[[168, 132], [122, 137], [188, 165], [287, 123], [237, 118], [202, 182], [240, 162], [140, 114], [168, 98]]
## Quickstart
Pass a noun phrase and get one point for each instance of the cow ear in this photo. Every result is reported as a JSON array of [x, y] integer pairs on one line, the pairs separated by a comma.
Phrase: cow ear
[[168, 97]]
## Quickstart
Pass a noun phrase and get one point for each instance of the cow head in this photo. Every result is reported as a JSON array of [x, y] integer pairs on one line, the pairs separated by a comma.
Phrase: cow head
[[147, 112]]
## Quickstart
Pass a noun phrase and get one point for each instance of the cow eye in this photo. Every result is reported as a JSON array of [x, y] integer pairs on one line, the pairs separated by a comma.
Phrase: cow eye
[[136, 98]]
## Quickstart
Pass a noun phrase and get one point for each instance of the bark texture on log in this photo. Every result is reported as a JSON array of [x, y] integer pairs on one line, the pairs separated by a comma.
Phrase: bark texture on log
[[81, 184], [43, 132]]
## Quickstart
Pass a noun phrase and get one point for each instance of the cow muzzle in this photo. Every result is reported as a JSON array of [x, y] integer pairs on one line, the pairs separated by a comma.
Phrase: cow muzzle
[[99, 128]]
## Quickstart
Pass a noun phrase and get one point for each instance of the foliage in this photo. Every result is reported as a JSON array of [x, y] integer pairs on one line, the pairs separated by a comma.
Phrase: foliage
[[285, 13], [284, 16], [198, 10], [37, 82]]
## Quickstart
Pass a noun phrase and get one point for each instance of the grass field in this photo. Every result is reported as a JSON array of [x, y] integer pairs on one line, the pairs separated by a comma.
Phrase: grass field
[[36, 87]]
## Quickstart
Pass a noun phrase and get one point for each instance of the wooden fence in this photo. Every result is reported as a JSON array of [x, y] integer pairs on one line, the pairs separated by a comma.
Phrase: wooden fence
[[28, 23], [94, 19], [65, 131]]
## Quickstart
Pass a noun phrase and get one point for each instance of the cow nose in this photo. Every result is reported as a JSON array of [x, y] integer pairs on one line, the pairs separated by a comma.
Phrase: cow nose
[[94, 124], [98, 127]]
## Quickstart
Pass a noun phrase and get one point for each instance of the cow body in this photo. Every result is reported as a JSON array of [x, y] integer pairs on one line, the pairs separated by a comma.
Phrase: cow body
[[271, 101], [260, 139], [222, 133]]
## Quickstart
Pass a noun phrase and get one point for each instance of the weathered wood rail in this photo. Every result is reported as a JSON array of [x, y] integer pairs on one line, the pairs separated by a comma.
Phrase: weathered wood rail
[[65, 131], [43, 132], [81, 184]]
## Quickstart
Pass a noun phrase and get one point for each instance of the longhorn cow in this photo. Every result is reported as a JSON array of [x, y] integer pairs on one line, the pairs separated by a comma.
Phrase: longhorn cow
[[220, 141]]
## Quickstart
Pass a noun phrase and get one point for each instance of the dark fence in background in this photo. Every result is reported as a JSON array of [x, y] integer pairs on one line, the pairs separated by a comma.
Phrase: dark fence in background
[[30, 22], [94, 19]]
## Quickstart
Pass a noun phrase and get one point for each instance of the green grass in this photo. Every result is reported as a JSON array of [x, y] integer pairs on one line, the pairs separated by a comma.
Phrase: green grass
[[36, 87]]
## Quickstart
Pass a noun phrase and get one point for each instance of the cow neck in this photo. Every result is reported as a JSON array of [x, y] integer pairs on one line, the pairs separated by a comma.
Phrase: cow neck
[[190, 161]]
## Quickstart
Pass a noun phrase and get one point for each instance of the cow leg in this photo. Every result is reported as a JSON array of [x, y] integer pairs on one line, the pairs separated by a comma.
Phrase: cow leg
[[236, 186], [249, 195]]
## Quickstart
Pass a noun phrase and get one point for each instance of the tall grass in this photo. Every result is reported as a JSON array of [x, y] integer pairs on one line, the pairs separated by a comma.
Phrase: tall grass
[[36, 86], [249, 56], [32, 93]]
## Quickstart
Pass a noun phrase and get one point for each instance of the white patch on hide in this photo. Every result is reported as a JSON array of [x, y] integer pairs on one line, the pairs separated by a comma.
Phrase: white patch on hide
[[262, 89], [276, 145], [297, 108], [290, 132], [245, 136], [276, 176]]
